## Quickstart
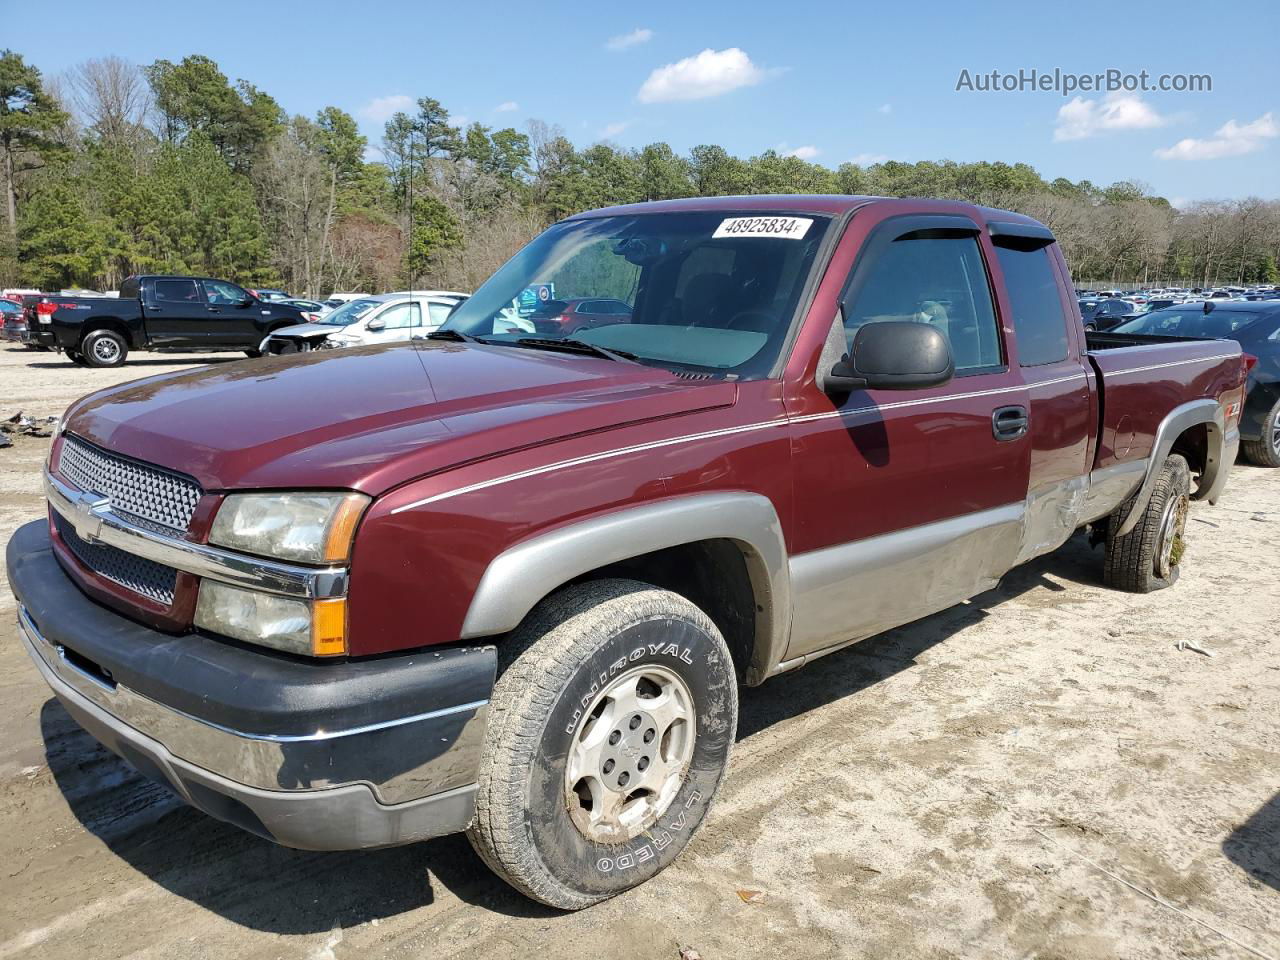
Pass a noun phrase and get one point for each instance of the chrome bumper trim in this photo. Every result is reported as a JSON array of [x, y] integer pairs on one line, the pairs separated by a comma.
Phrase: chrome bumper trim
[[401, 759], [96, 522]]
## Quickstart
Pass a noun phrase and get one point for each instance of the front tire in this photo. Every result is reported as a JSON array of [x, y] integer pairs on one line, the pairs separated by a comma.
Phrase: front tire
[[609, 730], [104, 348], [1265, 452], [1149, 556]]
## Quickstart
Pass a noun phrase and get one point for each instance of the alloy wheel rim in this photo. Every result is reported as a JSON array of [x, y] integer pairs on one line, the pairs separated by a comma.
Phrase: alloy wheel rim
[[105, 350], [630, 754], [1275, 436], [1170, 545]]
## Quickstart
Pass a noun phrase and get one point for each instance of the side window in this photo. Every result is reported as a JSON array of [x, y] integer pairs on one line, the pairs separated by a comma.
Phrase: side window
[[439, 312], [940, 280], [1038, 321], [177, 291], [223, 294], [402, 316]]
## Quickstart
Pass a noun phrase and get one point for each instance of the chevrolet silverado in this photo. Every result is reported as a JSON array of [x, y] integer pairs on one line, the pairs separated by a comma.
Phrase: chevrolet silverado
[[508, 583]]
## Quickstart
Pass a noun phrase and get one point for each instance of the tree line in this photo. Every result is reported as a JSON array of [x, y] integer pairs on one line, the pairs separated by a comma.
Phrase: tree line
[[115, 169]]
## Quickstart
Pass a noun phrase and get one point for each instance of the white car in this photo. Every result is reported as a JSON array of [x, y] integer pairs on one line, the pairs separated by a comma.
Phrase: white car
[[381, 319]]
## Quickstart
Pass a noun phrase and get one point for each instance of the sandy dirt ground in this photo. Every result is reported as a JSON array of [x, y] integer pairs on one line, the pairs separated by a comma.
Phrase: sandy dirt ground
[[1039, 772]]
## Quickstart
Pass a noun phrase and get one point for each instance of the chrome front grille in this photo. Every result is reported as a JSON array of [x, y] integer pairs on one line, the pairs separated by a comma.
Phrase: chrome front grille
[[142, 576], [137, 491]]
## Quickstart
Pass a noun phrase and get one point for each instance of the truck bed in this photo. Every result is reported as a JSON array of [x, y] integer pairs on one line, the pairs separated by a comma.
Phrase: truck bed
[[1142, 378]]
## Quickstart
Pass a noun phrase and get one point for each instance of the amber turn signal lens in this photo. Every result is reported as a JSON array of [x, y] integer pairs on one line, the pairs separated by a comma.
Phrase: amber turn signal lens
[[329, 627], [342, 528]]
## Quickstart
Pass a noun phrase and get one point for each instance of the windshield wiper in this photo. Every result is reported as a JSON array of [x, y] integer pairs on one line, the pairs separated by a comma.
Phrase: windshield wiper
[[457, 336], [569, 345]]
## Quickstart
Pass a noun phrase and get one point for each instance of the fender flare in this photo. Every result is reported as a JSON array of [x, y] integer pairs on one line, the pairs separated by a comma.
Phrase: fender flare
[[522, 575], [1180, 419]]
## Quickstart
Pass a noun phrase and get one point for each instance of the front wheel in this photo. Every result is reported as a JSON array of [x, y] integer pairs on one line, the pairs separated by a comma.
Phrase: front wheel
[[104, 348], [1265, 451], [609, 731], [1149, 557]]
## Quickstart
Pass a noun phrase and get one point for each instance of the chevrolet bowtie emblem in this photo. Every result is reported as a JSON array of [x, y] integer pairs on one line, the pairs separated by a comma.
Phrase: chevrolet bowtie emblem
[[88, 522]]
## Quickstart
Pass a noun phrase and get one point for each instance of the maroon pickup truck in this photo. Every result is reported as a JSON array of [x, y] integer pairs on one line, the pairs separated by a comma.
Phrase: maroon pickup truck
[[508, 582]]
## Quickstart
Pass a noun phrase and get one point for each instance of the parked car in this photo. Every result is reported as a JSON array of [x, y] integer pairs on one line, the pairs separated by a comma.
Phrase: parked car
[[13, 322], [508, 584], [1105, 314], [156, 313], [1255, 325], [336, 300], [263, 293], [382, 319], [567, 317], [311, 309]]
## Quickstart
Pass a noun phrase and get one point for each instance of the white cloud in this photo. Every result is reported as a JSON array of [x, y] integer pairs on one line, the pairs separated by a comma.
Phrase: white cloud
[[709, 74], [869, 159], [884, 108], [507, 106], [807, 152], [1231, 140], [459, 119], [380, 109], [633, 39], [1081, 118], [613, 129]]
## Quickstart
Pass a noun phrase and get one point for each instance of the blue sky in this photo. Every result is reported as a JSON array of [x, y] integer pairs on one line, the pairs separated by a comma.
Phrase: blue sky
[[835, 81]]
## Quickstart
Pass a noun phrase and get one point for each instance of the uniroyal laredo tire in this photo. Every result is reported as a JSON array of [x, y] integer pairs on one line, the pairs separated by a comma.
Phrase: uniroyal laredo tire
[[104, 348], [1265, 452], [1149, 556], [530, 826]]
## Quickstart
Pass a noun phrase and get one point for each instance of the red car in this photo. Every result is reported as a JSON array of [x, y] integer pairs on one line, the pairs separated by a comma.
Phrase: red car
[[510, 583], [567, 317]]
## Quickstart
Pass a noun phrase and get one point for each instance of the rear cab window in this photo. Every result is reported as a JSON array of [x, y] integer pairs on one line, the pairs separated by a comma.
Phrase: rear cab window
[[1039, 323]]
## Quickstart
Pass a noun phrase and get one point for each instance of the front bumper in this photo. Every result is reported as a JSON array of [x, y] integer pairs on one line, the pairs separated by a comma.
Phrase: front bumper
[[318, 756]]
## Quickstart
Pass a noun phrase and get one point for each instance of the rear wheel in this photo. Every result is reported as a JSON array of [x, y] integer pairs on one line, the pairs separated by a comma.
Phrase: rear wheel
[[76, 357], [1149, 557], [104, 348], [1265, 452], [609, 731]]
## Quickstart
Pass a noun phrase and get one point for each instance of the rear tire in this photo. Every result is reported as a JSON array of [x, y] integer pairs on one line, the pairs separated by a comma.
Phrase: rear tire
[[1266, 451], [76, 357], [1149, 556], [627, 690], [253, 354], [104, 348]]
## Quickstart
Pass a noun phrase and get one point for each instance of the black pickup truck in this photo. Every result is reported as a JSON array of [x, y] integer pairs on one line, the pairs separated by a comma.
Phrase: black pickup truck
[[156, 313]]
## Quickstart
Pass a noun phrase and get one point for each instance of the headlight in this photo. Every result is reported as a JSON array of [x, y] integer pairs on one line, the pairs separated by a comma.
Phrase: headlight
[[307, 527], [317, 628]]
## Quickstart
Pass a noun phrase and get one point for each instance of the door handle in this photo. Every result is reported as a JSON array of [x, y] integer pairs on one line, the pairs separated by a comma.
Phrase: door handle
[[1009, 423]]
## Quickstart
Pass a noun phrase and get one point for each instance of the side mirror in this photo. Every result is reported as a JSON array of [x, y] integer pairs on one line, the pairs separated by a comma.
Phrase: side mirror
[[247, 301], [373, 326], [893, 355]]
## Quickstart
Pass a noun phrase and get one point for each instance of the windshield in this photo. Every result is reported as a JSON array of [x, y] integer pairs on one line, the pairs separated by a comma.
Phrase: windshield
[[706, 291], [348, 313], [1190, 322]]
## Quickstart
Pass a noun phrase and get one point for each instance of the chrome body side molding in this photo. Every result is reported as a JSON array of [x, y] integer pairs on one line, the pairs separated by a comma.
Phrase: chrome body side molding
[[525, 573]]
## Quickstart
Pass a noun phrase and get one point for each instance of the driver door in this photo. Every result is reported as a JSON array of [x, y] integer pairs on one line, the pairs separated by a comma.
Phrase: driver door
[[232, 315], [909, 501]]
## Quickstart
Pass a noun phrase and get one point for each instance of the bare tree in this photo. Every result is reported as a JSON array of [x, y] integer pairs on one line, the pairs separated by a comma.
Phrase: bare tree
[[112, 98]]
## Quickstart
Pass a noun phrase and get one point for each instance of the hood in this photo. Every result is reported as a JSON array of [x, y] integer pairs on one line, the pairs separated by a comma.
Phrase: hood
[[307, 330], [370, 418]]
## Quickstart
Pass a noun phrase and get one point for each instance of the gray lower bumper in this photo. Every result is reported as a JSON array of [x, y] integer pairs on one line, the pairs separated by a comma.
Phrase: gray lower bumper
[[339, 818]]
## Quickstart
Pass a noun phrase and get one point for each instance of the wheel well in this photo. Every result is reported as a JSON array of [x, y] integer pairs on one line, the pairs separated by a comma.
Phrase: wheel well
[[1193, 444], [711, 574], [106, 323]]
